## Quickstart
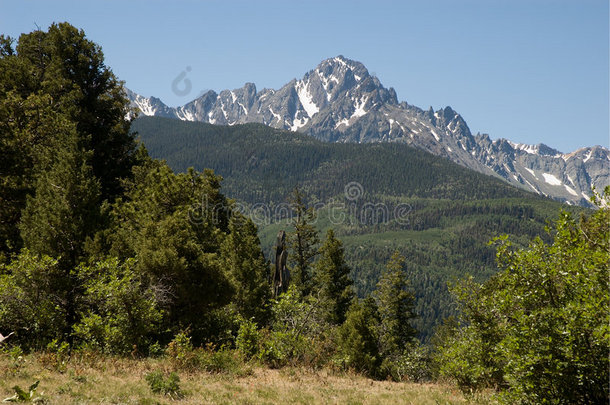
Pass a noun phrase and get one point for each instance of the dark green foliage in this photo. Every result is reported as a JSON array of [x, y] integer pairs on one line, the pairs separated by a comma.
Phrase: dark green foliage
[[174, 226], [54, 83], [160, 384], [63, 212], [31, 134], [120, 310], [539, 329], [302, 242], [395, 306], [357, 346], [65, 65], [247, 268], [64, 209], [332, 284]]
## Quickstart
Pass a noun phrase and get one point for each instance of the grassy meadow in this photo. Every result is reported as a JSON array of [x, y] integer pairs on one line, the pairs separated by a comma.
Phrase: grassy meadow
[[92, 379]]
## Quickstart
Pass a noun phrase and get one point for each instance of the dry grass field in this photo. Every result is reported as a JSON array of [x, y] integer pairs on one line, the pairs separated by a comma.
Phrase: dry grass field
[[96, 380]]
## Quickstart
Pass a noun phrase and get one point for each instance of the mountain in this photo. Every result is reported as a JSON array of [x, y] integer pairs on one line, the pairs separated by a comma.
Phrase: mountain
[[441, 215], [339, 101]]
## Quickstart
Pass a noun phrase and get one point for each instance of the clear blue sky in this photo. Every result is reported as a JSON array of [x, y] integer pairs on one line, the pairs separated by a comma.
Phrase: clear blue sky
[[527, 70]]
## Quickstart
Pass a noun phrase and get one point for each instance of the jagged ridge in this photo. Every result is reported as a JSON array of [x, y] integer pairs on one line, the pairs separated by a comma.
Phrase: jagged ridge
[[339, 101]]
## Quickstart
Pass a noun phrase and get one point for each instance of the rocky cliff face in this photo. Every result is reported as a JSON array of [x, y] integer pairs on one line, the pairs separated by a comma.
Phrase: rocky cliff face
[[339, 101]]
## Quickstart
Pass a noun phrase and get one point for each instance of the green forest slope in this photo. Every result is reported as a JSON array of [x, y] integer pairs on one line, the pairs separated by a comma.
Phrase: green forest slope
[[377, 197]]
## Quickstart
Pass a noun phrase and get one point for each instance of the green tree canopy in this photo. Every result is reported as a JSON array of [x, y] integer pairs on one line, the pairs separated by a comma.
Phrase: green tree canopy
[[540, 328], [247, 268], [174, 225], [53, 85], [332, 284], [395, 304], [302, 242]]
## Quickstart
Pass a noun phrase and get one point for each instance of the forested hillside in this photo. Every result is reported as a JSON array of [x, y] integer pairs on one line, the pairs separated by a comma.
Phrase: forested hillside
[[262, 164], [449, 213]]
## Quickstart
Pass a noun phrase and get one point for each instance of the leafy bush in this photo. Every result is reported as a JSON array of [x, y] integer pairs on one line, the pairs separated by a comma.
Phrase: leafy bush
[[413, 364], [181, 353], [540, 329], [299, 333], [31, 300], [122, 310], [159, 384], [223, 360], [280, 349], [248, 338]]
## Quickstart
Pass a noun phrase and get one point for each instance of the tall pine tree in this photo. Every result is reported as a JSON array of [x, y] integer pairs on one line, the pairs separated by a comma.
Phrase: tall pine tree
[[61, 215], [248, 270], [302, 242], [333, 285], [395, 305]]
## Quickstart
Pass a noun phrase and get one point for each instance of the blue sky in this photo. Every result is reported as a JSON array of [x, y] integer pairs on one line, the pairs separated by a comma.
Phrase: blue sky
[[528, 70]]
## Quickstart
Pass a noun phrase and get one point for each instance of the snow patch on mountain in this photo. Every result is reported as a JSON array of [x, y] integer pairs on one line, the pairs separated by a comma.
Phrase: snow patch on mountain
[[306, 99], [359, 110], [570, 190], [551, 179]]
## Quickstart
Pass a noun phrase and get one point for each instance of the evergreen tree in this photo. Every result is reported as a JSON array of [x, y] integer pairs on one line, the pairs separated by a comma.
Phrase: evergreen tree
[[247, 268], [31, 131], [332, 283], [358, 338], [302, 242], [53, 76], [60, 216], [68, 67], [64, 209], [395, 304], [174, 226]]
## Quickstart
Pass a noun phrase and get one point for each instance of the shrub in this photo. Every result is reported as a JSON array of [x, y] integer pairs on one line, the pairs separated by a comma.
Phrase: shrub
[[181, 353], [248, 338], [539, 330], [280, 349], [223, 360], [121, 311], [31, 300], [412, 365], [159, 384]]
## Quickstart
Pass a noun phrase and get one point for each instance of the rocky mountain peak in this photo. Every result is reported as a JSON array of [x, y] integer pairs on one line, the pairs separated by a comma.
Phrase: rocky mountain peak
[[340, 101]]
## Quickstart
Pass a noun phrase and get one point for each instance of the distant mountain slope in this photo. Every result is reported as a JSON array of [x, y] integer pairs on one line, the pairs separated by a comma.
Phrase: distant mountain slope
[[449, 212], [339, 101], [262, 164]]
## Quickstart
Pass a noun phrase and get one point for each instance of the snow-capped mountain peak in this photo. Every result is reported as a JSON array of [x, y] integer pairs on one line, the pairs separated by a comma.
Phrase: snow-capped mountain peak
[[340, 101]]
